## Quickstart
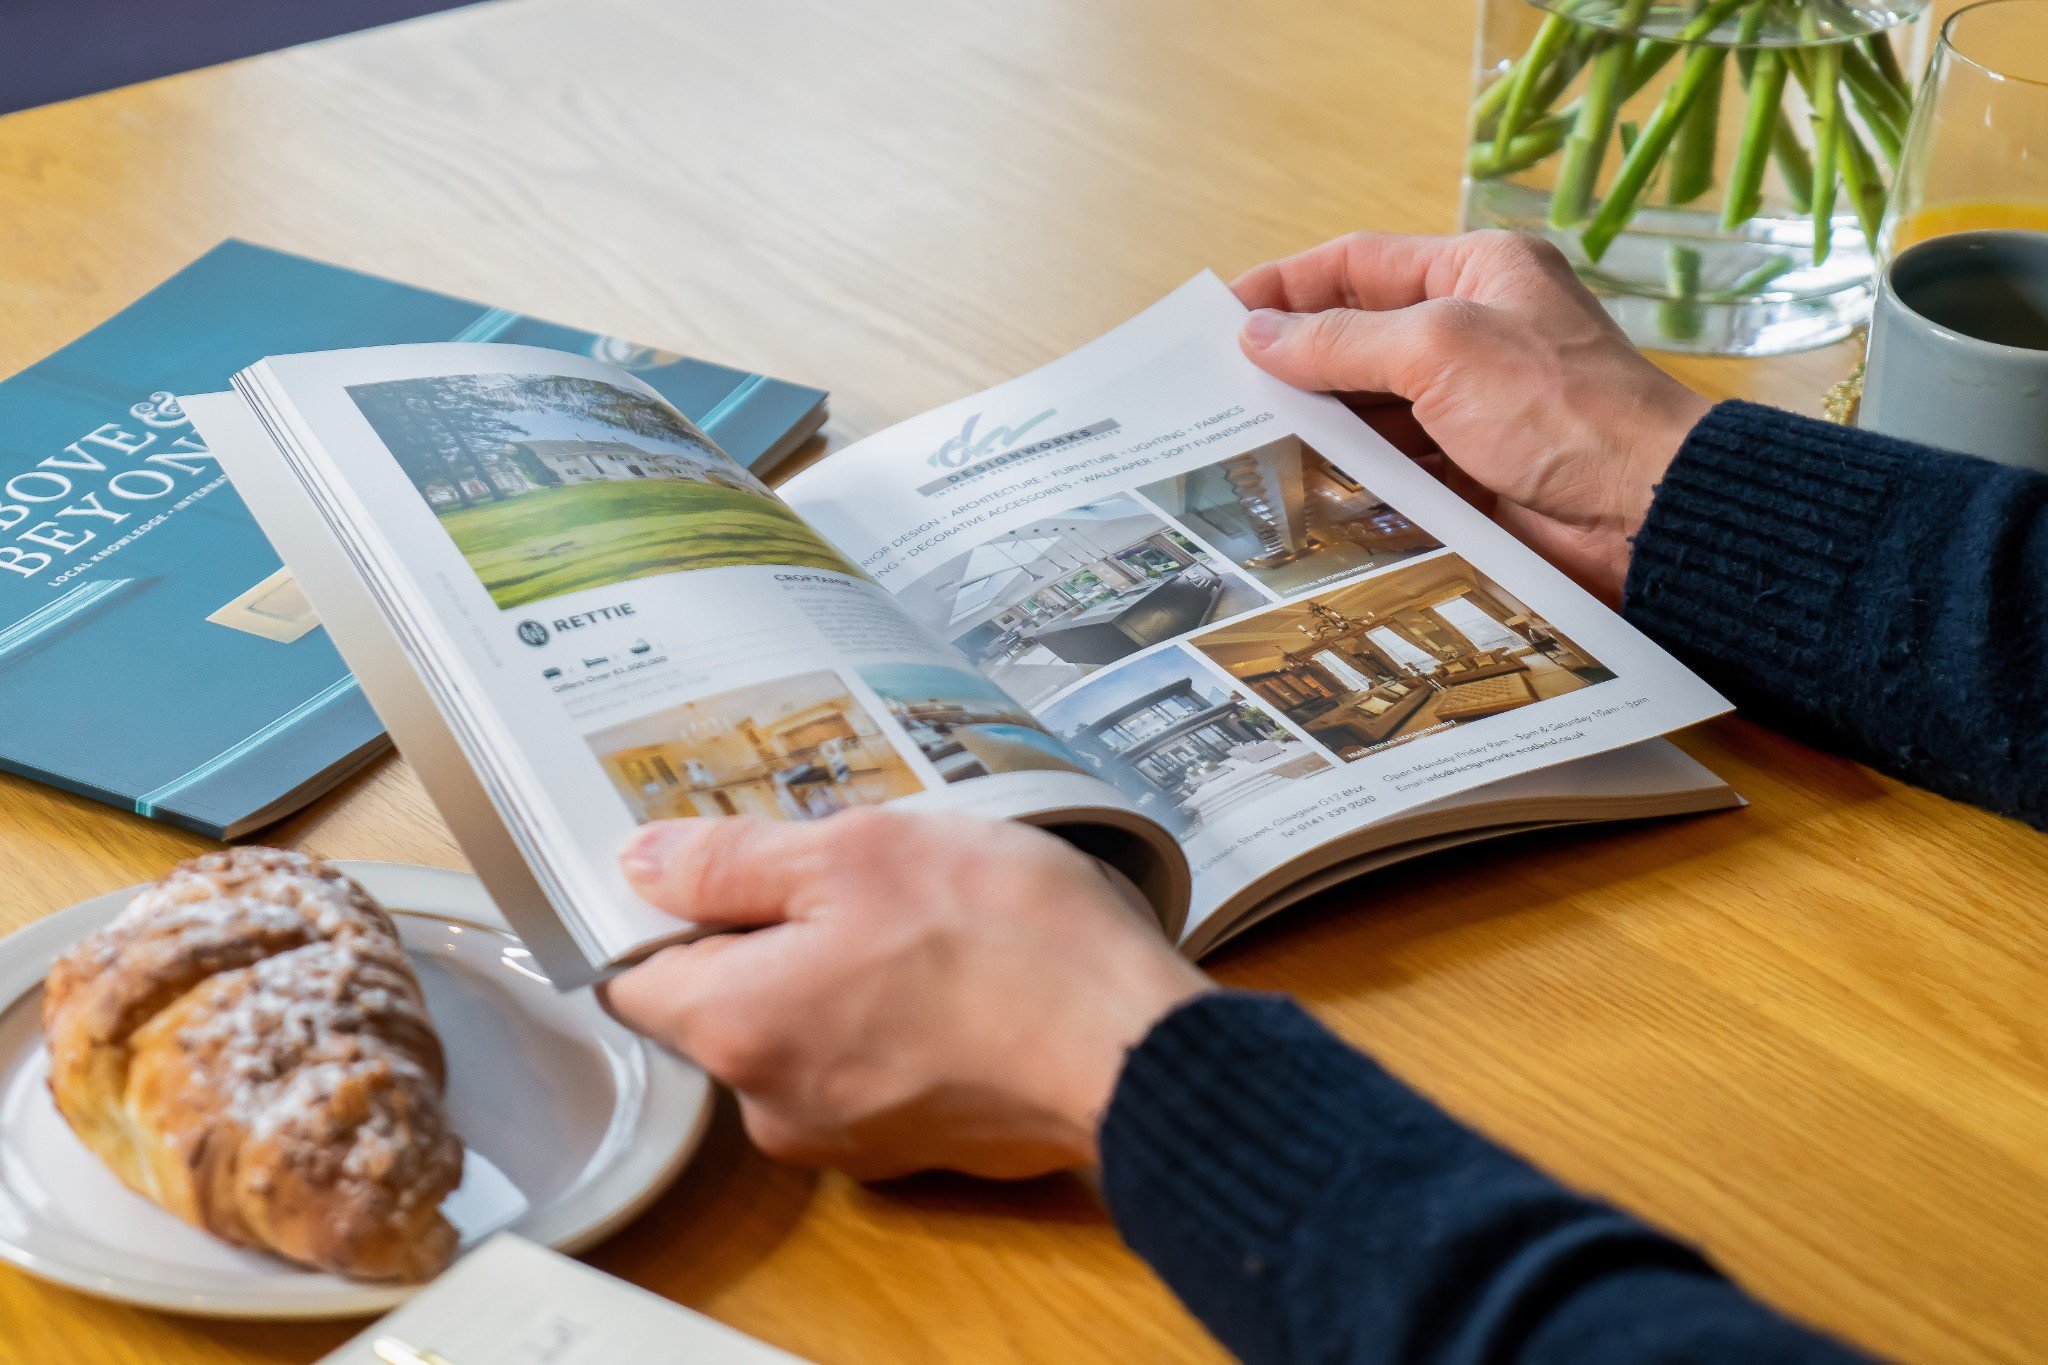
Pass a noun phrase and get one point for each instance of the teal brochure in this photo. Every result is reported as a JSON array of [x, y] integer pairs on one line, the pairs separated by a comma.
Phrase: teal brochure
[[153, 652]]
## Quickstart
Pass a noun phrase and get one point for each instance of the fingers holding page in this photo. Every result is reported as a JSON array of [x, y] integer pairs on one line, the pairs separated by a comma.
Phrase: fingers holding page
[[668, 996], [728, 872], [1346, 350], [1377, 271]]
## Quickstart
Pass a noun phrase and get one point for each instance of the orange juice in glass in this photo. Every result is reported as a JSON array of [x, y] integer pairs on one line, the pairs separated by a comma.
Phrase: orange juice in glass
[[1958, 351], [1976, 153]]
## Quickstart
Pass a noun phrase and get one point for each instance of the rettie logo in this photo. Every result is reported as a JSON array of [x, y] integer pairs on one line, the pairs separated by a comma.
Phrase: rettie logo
[[534, 633], [959, 450]]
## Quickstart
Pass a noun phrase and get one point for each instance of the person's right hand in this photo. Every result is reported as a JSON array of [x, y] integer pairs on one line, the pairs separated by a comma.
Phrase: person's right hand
[[911, 990], [1485, 351]]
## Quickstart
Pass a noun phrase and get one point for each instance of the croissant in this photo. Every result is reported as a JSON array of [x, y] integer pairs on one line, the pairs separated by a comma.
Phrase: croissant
[[246, 1045]]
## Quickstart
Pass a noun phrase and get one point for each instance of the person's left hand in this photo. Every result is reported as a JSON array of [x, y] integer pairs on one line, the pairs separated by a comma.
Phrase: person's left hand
[[911, 991]]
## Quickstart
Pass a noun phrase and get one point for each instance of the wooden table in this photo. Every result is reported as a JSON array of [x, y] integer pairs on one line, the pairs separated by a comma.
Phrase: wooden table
[[1809, 1036]]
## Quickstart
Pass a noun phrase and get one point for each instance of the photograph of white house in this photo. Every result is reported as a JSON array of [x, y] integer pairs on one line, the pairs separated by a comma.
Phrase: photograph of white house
[[549, 484], [1046, 605], [524, 466], [1179, 741]]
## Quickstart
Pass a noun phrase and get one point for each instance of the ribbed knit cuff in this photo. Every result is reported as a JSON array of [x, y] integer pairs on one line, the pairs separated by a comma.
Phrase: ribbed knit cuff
[[1223, 1117], [1308, 1206], [1236, 1114], [1756, 529]]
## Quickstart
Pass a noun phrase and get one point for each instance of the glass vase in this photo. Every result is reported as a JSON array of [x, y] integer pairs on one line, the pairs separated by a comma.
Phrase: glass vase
[[1715, 170]]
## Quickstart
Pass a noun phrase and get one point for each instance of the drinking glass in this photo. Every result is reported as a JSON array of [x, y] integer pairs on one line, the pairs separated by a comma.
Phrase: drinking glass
[[1976, 154]]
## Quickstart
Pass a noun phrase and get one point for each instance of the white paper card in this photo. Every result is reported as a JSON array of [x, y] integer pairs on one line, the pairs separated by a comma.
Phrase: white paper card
[[511, 1302]]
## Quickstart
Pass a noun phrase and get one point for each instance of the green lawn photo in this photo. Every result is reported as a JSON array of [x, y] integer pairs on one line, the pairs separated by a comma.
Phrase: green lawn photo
[[556, 540], [551, 483]]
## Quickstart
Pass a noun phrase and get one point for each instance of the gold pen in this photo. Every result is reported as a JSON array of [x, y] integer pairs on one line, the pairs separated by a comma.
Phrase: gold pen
[[392, 1351]]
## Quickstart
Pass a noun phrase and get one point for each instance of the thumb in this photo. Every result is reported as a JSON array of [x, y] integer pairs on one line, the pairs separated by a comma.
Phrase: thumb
[[1350, 350], [724, 872]]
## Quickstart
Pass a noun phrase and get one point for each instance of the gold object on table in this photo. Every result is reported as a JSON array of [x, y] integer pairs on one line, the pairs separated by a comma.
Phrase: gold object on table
[[1844, 398]]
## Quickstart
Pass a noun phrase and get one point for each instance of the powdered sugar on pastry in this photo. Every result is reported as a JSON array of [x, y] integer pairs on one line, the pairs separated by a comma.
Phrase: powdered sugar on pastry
[[230, 891], [247, 1044]]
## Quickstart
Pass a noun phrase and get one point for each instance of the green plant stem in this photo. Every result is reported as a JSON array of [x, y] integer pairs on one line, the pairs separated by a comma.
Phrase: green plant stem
[[1863, 74], [1859, 172], [1699, 132], [1679, 317], [1649, 58], [1890, 139], [1886, 57], [1864, 179], [1763, 83], [1584, 43], [1487, 108], [1794, 165], [1759, 132], [1490, 160], [1550, 40], [1884, 111], [1822, 68], [1761, 278], [1685, 181], [1578, 171], [1652, 54], [1701, 65]]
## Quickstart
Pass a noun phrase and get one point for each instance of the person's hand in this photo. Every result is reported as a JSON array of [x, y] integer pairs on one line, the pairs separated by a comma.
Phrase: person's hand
[[911, 991], [1483, 356]]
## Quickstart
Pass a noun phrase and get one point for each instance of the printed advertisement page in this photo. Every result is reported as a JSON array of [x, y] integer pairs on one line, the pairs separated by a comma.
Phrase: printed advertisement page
[[1237, 602], [645, 630]]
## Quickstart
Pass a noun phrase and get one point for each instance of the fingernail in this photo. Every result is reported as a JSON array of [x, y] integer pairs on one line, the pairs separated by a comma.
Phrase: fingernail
[[647, 851], [1264, 326]]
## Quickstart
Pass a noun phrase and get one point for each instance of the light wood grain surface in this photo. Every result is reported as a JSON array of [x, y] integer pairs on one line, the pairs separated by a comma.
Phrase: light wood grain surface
[[1808, 1036]]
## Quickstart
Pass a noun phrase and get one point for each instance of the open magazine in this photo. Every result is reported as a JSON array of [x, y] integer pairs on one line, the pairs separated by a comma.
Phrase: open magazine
[[1213, 630]]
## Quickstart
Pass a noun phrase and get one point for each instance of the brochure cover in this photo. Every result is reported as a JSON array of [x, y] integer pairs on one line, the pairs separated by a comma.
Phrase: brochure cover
[[153, 652]]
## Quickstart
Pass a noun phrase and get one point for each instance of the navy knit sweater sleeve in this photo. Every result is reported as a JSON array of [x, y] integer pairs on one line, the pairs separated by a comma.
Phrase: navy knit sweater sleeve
[[1863, 593], [1307, 1206], [1879, 598]]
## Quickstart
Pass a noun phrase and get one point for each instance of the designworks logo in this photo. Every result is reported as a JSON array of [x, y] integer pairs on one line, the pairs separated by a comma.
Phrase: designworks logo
[[968, 447]]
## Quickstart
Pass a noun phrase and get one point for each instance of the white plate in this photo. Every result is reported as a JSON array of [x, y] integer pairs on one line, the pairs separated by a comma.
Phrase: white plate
[[573, 1125]]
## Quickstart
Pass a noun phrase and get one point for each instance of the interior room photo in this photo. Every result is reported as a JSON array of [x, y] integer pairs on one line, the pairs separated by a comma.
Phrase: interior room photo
[[1408, 651], [792, 748], [1048, 604], [1182, 743], [1290, 517]]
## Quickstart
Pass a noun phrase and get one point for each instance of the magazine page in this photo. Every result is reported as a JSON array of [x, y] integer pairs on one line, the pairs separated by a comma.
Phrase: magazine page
[[623, 625], [1234, 599]]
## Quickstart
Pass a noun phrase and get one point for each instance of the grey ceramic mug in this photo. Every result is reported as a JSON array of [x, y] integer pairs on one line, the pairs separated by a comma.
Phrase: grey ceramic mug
[[1959, 347]]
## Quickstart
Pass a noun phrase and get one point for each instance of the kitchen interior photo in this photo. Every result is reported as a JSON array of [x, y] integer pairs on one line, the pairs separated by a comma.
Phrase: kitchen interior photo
[[790, 748], [1045, 605]]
